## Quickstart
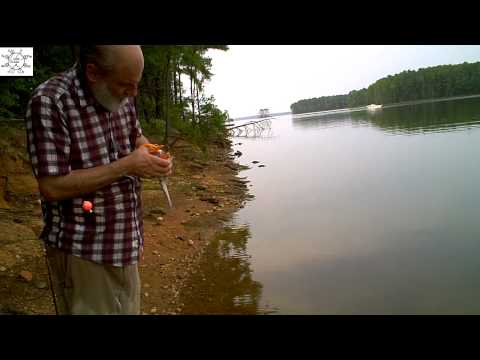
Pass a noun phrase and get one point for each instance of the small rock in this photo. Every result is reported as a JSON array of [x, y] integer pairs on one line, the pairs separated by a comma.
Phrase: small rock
[[40, 284], [155, 252], [211, 200], [26, 275], [261, 165], [187, 210], [183, 222], [146, 285], [196, 166], [3, 268], [17, 256], [178, 310], [190, 242], [180, 238], [255, 162], [153, 310], [146, 294], [197, 214], [159, 218]]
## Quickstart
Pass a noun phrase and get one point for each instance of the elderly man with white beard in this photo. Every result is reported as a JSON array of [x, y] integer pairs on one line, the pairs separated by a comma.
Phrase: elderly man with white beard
[[84, 141]]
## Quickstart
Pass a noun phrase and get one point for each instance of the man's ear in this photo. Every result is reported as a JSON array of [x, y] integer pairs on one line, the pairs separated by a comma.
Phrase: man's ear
[[92, 73]]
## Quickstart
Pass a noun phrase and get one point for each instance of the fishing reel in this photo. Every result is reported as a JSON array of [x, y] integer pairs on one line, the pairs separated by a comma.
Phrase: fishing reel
[[157, 150]]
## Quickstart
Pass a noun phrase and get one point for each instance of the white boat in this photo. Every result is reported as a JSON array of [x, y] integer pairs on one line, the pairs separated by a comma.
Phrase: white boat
[[374, 107]]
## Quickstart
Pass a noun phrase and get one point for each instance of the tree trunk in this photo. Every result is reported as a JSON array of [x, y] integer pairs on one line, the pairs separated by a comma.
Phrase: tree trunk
[[198, 102], [175, 83], [180, 93], [167, 97], [192, 95], [158, 100]]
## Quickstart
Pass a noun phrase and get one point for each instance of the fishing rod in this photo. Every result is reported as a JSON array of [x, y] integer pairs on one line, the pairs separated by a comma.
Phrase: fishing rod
[[158, 150], [51, 282]]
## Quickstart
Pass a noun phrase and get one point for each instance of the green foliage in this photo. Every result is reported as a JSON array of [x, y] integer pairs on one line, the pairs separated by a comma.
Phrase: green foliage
[[320, 104], [429, 83], [163, 103], [15, 92], [210, 127]]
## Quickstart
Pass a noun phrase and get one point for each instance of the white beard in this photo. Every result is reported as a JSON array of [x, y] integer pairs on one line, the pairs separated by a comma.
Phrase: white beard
[[106, 99]]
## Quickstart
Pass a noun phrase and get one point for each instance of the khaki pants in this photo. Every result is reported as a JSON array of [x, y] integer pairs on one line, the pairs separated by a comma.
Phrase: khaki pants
[[83, 287]]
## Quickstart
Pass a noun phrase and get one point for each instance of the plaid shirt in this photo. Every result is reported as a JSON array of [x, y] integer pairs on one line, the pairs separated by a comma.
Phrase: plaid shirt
[[67, 129]]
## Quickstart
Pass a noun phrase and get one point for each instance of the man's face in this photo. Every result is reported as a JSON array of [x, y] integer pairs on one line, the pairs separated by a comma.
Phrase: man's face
[[113, 88]]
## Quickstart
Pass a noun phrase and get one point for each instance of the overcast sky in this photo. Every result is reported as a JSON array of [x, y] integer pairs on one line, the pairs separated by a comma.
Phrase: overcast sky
[[250, 77]]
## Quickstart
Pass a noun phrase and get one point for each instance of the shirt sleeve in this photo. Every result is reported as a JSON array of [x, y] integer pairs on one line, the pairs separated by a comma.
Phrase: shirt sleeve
[[48, 138]]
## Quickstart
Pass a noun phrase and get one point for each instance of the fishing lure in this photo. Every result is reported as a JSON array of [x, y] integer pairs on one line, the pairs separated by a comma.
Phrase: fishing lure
[[87, 206]]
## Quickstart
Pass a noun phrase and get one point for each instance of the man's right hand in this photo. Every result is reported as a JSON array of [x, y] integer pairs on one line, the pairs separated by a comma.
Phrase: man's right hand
[[143, 164], [81, 181]]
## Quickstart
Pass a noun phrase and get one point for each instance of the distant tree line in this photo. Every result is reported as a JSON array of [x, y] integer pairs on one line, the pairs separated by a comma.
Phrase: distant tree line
[[171, 93], [428, 83], [320, 104]]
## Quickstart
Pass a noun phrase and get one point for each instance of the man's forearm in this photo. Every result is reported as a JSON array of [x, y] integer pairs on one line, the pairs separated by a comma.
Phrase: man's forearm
[[83, 181]]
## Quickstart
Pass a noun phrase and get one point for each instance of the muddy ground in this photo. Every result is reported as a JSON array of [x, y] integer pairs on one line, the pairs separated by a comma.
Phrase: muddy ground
[[206, 191]]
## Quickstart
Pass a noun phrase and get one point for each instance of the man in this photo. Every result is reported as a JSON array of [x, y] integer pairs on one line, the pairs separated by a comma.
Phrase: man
[[84, 142]]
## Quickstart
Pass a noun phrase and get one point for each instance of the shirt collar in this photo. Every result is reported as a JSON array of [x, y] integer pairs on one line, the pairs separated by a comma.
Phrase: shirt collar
[[84, 94]]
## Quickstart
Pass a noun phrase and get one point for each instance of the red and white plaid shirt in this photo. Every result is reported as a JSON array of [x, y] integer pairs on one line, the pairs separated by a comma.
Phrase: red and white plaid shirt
[[67, 129]]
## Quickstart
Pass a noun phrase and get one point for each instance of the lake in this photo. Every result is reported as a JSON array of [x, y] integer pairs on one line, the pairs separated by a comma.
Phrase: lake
[[354, 213]]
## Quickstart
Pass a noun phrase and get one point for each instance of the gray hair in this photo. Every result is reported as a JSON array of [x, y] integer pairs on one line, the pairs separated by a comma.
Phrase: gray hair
[[100, 55]]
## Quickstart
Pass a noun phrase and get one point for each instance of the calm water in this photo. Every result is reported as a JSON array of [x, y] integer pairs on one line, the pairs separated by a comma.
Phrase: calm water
[[359, 213]]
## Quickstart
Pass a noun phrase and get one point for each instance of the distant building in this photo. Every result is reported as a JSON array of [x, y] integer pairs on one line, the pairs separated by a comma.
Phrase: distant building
[[264, 113]]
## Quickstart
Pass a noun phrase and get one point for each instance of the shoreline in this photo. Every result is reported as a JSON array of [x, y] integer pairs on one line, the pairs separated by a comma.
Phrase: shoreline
[[206, 191]]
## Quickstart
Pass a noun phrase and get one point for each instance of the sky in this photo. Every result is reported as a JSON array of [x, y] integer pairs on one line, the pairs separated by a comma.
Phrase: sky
[[248, 78]]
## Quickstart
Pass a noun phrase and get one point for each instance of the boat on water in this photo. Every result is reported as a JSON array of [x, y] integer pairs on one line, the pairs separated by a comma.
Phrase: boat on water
[[374, 107]]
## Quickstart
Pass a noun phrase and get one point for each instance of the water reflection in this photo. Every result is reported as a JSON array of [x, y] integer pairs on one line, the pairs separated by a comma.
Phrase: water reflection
[[371, 224], [444, 116], [224, 284]]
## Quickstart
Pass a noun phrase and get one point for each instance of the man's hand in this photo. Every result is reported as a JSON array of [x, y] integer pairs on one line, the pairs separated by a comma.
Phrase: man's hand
[[143, 164], [81, 181]]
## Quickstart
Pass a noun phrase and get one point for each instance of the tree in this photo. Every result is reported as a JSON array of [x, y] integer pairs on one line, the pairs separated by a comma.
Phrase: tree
[[428, 83], [161, 103]]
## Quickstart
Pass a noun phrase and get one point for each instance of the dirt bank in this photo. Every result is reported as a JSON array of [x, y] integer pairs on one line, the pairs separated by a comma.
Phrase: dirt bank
[[205, 189]]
